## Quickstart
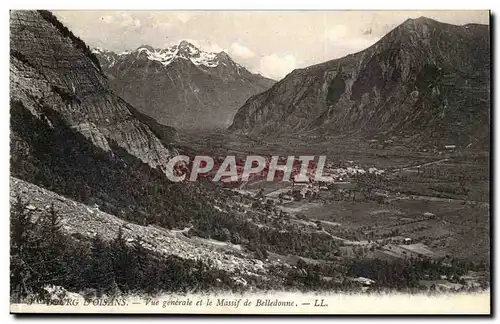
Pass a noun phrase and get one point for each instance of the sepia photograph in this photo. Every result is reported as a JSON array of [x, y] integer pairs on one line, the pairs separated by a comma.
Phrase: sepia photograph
[[250, 162]]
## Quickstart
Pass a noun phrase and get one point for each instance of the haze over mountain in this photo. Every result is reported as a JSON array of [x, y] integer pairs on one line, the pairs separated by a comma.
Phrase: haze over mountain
[[181, 85], [424, 78]]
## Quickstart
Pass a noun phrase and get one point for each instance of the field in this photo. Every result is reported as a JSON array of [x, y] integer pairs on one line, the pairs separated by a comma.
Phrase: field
[[428, 202]]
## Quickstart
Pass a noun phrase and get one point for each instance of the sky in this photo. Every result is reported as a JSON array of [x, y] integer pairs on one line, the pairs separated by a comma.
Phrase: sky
[[271, 43]]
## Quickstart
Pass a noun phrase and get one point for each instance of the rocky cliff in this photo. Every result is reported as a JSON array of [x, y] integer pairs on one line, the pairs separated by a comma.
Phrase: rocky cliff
[[423, 78], [181, 85], [52, 72]]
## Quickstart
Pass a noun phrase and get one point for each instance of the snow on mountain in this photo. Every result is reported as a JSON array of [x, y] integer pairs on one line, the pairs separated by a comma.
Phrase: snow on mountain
[[165, 56], [181, 85]]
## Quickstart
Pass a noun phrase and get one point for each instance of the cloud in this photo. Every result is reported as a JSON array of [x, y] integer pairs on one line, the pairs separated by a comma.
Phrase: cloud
[[184, 17], [241, 51], [107, 19], [276, 67], [204, 45], [341, 35], [336, 32], [128, 21], [162, 25], [312, 36], [338, 41]]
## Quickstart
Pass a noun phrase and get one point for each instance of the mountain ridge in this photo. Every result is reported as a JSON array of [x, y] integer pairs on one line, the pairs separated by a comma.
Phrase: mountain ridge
[[383, 89], [50, 73], [72, 135], [181, 85]]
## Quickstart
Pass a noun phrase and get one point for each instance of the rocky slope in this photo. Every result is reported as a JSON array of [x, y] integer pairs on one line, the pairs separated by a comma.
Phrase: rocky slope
[[72, 135], [83, 223], [52, 73], [423, 78], [181, 85]]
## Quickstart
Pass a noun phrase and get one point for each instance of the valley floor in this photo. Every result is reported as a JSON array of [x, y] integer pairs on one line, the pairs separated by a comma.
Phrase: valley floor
[[422, 221], [435, 198]]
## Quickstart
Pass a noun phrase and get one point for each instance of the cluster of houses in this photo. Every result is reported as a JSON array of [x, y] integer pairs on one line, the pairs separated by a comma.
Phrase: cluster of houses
[[343, 174]]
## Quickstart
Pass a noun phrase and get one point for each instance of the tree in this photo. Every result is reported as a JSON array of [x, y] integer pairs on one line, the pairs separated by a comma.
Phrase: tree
[[54, 222], [224, 235], [140, 263], [101, 273], [261, 253], [235, 238], [54, 245], [122, 259], [21, 228]]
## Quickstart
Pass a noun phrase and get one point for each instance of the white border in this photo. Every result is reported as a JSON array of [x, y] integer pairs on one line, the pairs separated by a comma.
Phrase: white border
[[189, 5]]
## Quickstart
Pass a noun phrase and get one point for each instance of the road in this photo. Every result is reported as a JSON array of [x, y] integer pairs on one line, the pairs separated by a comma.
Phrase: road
[[438, 199], [420, 165]]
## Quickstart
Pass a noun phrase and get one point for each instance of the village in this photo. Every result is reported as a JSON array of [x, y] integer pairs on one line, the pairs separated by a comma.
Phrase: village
[[311, 206]]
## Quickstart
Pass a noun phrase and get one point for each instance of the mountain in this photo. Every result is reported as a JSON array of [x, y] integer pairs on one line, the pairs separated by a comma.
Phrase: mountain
[[424, 78], [72, 135], [87, 159], [54, 78], [98, 165], [181, 86]]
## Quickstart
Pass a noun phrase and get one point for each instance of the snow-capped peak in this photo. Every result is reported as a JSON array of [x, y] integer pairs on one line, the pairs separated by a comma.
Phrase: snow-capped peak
[[100, 50], [188, 48], [108, 56], [183, 50]]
